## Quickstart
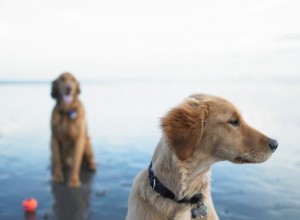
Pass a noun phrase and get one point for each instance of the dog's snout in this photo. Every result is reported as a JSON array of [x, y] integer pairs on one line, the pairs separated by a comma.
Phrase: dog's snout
[[273, 144], [68, 90]]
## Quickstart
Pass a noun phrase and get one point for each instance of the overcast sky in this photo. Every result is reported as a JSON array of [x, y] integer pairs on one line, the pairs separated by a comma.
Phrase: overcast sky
[[159, 38]]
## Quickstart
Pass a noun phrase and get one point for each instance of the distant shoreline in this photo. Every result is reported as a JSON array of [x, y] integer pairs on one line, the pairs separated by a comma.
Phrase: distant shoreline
[[22, 82], [276, 80]]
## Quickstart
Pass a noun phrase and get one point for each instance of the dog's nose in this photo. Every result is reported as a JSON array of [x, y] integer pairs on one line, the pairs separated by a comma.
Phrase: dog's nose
[[273, 144], [68, 90]]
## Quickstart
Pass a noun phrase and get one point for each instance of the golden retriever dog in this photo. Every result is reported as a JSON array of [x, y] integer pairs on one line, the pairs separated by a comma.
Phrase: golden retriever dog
[[199, 132], [70, 143]]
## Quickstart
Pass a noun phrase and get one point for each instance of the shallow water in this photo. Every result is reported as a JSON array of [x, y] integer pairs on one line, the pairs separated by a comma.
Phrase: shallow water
[[123, 120]]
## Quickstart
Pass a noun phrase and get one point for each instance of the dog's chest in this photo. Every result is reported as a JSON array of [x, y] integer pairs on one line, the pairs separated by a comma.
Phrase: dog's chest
[[67, 128]]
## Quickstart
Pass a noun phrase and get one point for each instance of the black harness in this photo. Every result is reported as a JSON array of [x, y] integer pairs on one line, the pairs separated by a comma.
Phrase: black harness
[[157, 186]]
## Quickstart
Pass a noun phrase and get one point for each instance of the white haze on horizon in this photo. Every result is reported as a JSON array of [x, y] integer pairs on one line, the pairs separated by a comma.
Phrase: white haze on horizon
[[155, 39]]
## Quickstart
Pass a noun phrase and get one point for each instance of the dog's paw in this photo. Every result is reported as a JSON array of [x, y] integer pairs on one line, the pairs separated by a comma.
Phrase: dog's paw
[[74, 182], [58, 177]]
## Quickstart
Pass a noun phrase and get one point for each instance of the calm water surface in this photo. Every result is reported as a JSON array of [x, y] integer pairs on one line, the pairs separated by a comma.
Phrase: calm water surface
[[123, 120]]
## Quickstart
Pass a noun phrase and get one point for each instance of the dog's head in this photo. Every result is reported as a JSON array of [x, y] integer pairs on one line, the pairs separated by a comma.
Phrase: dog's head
[[65, 88], [213, 126]]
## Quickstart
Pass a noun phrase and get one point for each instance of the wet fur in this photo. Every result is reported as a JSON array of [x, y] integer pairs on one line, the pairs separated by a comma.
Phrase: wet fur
[[196, 134], [70, 144]]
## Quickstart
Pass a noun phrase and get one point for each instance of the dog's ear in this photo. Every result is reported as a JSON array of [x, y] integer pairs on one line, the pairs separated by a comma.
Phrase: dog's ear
[[184, 127], [54, 89], [77, 88]]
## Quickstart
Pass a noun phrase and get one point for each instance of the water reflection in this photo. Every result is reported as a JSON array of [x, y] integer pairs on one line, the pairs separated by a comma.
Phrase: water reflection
[[125, 130], [30, 216], [72, 203]]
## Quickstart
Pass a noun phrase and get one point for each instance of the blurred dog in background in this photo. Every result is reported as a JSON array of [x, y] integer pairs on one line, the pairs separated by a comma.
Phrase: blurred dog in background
[[70, 143]]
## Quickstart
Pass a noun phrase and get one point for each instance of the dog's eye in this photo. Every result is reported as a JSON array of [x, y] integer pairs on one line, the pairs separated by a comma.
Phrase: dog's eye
[[234, 122]]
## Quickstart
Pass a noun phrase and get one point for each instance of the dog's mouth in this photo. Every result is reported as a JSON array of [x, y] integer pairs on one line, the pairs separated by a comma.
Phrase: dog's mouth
[[68, 99], [240, 159]]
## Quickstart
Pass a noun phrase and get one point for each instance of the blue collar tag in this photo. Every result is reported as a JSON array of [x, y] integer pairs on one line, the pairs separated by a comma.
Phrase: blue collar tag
[[72, 114], [200, 211]]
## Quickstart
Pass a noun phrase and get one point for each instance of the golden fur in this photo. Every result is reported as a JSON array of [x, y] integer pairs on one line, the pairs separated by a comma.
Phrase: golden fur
[[70, 143], [196, 134]]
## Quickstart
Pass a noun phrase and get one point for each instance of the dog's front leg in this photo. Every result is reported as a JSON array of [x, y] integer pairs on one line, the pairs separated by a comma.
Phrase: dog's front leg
[[74, 180], [56, 161], [88, 152]]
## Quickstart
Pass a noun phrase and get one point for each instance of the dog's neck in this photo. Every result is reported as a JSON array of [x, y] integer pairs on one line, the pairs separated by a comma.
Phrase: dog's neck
[[183, 178]]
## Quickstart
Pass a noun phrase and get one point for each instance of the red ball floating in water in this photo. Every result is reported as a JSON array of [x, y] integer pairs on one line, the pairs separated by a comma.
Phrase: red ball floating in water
[[30, 204]]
